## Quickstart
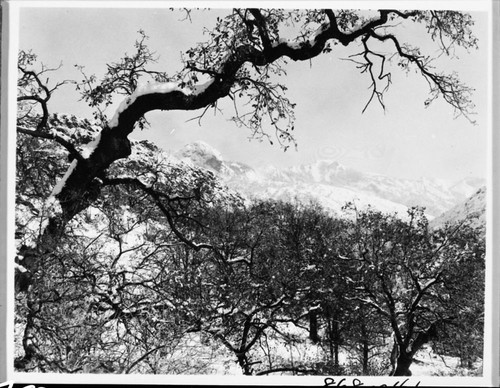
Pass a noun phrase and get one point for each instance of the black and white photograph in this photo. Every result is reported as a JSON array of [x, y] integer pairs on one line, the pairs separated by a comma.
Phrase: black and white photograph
[[282, 192]]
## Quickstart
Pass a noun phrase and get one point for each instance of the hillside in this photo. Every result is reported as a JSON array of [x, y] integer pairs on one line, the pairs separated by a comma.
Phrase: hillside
[[472, 211]]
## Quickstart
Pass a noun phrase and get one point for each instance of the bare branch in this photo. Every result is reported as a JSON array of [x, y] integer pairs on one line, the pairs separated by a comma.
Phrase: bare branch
[[448, 86], [31, 87], [52, 136], [157, 198]]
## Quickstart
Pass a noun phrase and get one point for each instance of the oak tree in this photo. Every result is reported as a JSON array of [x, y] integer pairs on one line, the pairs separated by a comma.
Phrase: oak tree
[[244, 59]]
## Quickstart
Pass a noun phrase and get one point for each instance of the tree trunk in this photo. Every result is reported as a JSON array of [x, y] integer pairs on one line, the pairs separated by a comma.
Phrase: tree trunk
[[402, 357], [331, 346], [336, 336], [403, 366], [366, 354], [313, 326], [402, 362], [334, 342], [336, 360], [244, 364], [365, 349]]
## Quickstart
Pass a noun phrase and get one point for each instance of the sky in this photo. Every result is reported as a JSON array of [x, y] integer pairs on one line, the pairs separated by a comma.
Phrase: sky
[[405, 140]]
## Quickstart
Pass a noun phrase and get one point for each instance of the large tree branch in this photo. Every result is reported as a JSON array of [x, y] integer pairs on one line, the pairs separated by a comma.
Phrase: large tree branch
[[428, 334], [114, 144], [170, 97], [347, 37], [157, 198], [422, 290]]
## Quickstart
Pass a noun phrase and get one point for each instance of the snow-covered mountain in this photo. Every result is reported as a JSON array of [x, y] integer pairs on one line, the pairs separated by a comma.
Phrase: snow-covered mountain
[[203, 155], [327, 182], [472, 211], [332, 184]]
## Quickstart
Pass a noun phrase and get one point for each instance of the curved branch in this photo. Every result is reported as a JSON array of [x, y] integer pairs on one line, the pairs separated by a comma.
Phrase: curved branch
[[51, 136], [369, 66], [35, 76], [346, 38], [156, 196], [26, 81], [42, 101], [453, 92], [172, 97], [143, 357]]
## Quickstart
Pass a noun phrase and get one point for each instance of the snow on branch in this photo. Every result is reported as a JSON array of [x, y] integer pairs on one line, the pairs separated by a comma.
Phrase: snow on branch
[[371, 303], [156, 88], [239, 260], [60, 184]]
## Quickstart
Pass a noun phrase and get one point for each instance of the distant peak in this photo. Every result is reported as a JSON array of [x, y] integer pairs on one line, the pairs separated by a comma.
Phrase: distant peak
[[200, 147], [201, 154]]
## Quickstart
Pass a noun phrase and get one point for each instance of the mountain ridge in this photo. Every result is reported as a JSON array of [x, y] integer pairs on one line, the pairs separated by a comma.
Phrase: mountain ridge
[[471, 211], [332, 184]]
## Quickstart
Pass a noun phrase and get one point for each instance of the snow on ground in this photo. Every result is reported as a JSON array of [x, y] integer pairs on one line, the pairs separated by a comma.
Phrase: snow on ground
[[428, 363], [197, 351], [193, 355]]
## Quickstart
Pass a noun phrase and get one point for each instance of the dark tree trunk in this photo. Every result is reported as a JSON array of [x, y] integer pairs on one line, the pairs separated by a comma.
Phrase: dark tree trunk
[[366, 354], [242, 352], [313, 326], [336, 359], [403, 364], [365, 349], [336, 337], [334, 342], [244, 364], [402, 355], [79, 190], [332, 351], [400, 360]]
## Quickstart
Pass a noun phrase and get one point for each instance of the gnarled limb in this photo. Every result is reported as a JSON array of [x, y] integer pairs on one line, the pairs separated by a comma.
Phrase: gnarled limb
[[223, 75]]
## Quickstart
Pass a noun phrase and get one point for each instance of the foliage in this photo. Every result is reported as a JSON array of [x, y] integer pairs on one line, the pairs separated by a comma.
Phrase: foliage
[[121, 294], [129, 261]]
